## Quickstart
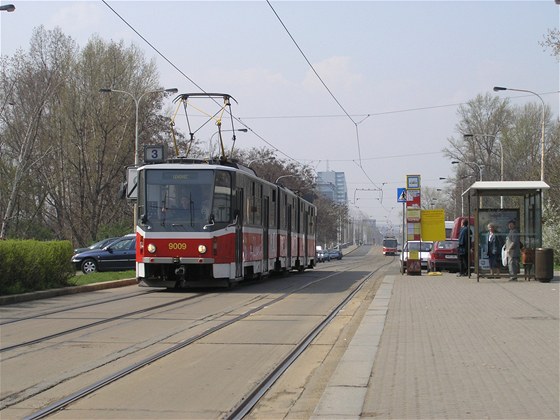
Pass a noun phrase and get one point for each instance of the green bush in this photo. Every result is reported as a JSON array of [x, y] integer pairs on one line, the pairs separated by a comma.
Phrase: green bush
[[28, 265]]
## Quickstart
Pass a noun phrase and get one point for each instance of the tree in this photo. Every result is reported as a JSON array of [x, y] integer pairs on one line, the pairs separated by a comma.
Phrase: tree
[[64, 145], [491, 120], [33, 80], [552, 41]]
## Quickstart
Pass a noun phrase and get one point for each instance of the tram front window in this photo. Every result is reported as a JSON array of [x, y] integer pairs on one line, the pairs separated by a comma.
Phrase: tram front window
[[176, 199]]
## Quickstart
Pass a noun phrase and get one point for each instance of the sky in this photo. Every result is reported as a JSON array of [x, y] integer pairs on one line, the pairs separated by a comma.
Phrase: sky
[[392, 73]]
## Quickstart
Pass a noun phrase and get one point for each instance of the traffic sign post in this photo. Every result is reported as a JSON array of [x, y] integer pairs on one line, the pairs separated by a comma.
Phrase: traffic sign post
[[413, 226]]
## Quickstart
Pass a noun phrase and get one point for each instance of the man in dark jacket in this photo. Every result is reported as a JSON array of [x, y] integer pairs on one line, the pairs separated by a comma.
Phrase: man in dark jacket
[[464, 248]]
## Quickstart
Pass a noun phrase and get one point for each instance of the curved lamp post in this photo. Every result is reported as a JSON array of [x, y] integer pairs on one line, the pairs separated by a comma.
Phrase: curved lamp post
[[500, 88], [284, 176], [136, 142], [137, 105], [268, 159], [7, 8], [455, 162], [501, 158], [243, 130]]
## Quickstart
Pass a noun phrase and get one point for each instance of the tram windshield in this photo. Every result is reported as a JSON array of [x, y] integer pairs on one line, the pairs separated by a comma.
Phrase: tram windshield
[[184, 199]]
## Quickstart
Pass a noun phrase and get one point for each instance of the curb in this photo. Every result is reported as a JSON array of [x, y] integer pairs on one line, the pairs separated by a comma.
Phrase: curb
[[43, 294]]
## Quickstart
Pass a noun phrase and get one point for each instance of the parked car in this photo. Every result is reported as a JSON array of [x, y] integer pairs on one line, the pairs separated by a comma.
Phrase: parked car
[[415, 246], [98, 245], [118, 255], [335, 254], [444, 256], [322, 256]]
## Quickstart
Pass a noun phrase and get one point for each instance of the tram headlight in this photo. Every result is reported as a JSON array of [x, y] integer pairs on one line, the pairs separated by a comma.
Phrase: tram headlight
[[151, 248], [202, 249]]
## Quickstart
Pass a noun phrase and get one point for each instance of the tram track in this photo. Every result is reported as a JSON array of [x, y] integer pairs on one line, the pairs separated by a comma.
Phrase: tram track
[[100, 322], [247, 402], [73, 308]]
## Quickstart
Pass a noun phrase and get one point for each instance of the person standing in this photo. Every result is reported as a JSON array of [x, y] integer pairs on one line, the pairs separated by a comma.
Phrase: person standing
[[463, 249], [494, 250], [513, 249]]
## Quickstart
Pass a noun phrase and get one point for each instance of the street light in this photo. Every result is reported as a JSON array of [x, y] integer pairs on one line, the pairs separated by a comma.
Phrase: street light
[[137, 103], [284, 176], [499, 88], [454, 162], [268, 159], [501, 158], [243, 130], [136, 143], [7, 8]]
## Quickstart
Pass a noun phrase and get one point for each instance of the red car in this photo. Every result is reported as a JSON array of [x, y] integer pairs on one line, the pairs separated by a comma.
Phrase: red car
[[444, 256]]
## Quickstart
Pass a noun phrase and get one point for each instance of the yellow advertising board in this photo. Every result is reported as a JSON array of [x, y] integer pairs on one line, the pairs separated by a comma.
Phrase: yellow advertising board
[[433, 225]]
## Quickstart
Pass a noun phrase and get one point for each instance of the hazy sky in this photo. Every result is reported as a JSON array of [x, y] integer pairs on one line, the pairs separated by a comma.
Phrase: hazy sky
[[399, 69]]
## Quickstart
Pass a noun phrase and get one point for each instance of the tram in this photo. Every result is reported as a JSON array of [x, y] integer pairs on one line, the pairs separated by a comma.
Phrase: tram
[[390, 245], [214, 221]]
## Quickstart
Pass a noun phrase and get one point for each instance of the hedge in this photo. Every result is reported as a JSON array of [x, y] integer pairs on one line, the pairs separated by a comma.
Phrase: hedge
[[28, 265]]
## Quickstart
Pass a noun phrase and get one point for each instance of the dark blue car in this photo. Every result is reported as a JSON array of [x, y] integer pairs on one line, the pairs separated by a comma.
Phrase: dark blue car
[[119, 255], [98, 245]]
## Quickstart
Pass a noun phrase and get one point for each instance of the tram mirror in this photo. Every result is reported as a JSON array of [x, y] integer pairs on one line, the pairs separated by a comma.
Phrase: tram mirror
[[132, 181], [121, 194]]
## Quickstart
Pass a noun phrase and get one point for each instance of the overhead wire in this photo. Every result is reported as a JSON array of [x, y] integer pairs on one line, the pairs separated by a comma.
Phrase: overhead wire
[[329, 91], [153, 47]]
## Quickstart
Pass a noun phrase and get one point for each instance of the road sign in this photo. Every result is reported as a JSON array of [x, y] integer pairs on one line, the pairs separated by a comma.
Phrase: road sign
[[413, 182], [401, 195]]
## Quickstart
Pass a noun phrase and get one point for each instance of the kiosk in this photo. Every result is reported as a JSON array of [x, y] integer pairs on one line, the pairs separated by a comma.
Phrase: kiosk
[[527, 214]]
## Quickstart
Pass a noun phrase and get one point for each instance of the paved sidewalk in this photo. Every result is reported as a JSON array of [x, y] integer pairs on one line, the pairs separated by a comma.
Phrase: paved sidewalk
[[443, 347]]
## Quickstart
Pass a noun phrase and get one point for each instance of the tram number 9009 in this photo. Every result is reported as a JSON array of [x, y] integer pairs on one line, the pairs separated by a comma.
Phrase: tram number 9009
[[177, 246]]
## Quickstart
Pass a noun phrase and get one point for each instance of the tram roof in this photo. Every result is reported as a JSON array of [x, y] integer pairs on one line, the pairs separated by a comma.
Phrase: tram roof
[[496, 188], [199, 164]]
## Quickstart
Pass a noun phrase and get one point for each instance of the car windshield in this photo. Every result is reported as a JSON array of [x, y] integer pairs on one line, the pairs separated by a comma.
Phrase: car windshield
[[415, 246], [123, 244], [447, 245]]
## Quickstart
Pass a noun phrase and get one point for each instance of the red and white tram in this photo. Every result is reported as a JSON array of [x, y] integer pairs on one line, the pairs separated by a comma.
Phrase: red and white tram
[[204, 222]]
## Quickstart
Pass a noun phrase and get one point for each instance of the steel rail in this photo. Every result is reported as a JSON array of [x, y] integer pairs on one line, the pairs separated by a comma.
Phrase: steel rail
[[96, 323], [247, 404], [86, 305], [61, 404]]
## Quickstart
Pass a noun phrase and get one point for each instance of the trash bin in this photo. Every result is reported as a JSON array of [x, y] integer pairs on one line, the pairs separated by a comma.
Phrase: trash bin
[[544, 264]]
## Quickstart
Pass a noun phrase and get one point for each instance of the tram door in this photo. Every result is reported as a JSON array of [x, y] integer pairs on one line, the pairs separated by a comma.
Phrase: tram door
[[239, 234], [266, 226], [305, 229], [289, 236]]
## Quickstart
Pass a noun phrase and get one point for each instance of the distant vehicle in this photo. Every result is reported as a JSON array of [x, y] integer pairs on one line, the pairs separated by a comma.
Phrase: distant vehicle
[[458, 224], [390, 245], [335, 254], [444, 256], [448, 228], [322, 256], [119, 255], [415, 246], [98, 245]]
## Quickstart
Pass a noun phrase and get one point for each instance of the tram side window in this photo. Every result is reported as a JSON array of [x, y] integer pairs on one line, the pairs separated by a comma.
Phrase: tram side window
[[222, 197], [255, 207], [273, 208]]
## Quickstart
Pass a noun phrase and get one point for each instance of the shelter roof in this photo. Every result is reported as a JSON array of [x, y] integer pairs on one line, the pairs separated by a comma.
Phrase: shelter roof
[[507, 188]]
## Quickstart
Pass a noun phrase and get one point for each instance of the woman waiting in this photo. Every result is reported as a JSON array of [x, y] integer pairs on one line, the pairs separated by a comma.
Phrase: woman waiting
[[494, 250]]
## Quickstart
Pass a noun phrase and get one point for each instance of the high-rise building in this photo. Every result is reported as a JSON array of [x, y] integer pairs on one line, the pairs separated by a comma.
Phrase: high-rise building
[[332, 185]]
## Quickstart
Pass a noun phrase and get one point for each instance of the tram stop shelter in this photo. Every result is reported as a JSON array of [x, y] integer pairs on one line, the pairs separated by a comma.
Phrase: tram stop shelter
[[527, 214]]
